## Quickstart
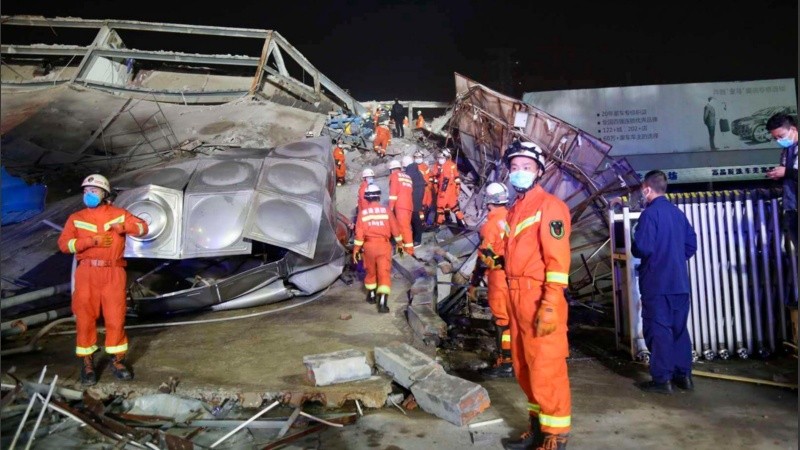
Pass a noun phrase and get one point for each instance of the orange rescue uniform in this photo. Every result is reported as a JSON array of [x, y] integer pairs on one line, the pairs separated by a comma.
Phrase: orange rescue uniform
[[537, 257], [362, 202], [100, 279], [341, 167], [383, 137], [448, 184], [401, 204], [375, 226], [427, 197], [492, 249], [420, 121]]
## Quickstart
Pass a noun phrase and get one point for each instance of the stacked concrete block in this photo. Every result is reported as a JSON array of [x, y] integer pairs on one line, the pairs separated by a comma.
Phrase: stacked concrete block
[[337, 367], [409, 267], [425, 322], [451, 398]]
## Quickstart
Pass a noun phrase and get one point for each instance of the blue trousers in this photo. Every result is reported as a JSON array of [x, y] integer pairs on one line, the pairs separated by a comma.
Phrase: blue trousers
[[664, 324]]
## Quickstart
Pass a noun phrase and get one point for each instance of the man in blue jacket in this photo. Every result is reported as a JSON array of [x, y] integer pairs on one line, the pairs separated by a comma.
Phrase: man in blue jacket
[[664, 240]]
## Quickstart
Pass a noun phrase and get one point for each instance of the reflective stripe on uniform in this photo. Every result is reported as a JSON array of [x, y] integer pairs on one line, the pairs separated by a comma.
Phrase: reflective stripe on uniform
[[141, 228], [383, 289], [375, 217], [506, 337], [85, 225], [528, 222], [117, 349], [371, 286], [357, 242], [533, 407], [555, 421], [392, 197], [410, 244], [85, 351], [71, 245], [398, 239], [557, 277], [120, 219]]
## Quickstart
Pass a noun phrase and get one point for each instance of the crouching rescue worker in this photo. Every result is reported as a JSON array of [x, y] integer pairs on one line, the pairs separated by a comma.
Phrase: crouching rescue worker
[[375, 226], [96, 235], [537, 257], [492, 262]]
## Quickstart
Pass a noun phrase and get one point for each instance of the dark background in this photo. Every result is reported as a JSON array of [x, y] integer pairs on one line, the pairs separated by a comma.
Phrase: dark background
[[381, 50]]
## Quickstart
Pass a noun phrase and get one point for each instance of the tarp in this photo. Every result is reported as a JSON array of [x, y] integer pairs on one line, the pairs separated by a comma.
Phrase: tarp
[[20, 201]]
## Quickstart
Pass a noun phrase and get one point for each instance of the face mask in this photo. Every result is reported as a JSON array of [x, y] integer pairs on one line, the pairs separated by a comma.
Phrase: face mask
[[369, 180], [785, 142], [418, 161], [91, 199], [643, 199], [522, 180], [442, 161]]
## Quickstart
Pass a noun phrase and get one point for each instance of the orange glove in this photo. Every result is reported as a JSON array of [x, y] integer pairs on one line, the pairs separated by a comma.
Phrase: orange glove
[[118, 228], [546, 319], [102, 240]]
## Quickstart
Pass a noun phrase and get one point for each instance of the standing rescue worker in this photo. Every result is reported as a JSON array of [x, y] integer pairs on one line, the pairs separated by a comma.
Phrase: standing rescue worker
[[490, 253], [367, 178], [383, 137], [537, 257], [375, 226], [420, 120], [448, 186], [401, 203], [96, 235], [339, 159], [418, 184], [427, 194], [664, 240]]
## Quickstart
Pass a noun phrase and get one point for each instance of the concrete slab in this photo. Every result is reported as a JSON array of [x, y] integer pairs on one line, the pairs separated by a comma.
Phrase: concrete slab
[[337, 367], [464, 245], [453, 399], [409, 267], [425, 322], [443, 281], [405, 364], [423, 285]]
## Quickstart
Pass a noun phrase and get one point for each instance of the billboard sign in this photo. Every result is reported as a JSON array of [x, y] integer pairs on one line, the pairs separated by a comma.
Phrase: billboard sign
[[675, 118]]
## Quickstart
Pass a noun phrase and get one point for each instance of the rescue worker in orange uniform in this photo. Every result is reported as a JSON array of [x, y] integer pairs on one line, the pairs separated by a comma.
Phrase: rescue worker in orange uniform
[[492, 262], [375, 226], [405, 121], [420, 120], [448, 185], [537, 257], [427, 196], [401, 203], [383, 137], [367, 178], [96, 235], [341, 166]]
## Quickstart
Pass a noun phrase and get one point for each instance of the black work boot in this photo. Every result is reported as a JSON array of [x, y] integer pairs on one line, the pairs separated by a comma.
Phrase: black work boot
[[88, 375], [655, 387], [554, 442], [530, 439], [503, 367], [461, 223], [118, 367], [683, 382], [383, 303], [371, 297]]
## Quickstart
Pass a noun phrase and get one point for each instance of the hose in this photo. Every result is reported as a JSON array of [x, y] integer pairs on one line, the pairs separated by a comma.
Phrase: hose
[[31, 346], [9, 302]]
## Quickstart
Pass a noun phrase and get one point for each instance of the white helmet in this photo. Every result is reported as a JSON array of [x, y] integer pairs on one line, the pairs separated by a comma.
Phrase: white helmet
[[496, 194], [367, 173], [407, 160], [526, 149], [97, 180], [394, 164], [418, 154], [373, 192], [445, 153], [419, 113]]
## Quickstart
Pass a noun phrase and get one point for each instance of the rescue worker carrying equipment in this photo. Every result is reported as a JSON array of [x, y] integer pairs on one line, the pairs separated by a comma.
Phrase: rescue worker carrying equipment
[[491, 263], [96, 235], [375, 226], [448, 186], [537, 258], [339, 159], [401, 203], [383, 137]]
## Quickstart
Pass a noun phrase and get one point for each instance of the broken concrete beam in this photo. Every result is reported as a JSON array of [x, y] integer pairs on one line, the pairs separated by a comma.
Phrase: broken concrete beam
[[425, 253], [450, 398], [424, 298], [422, 285], [468, 267], [443, 281], [464, 245], [445, 267], [405, 364], [337, 367], [425, 322], [444, 234], [409, 267]]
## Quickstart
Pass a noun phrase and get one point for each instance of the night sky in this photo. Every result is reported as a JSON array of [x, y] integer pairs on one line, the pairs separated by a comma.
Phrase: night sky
[[381, 50]]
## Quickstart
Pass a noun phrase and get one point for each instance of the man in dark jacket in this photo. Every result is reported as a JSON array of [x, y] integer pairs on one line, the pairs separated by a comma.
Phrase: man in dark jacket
[[417, 193], [664, 240], [398, 114]]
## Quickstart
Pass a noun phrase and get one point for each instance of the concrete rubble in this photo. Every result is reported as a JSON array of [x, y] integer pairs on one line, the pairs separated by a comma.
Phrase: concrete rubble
[[337, 367]]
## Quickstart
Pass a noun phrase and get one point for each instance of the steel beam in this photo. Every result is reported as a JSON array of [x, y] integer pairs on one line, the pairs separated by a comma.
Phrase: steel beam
[[195, 58], [50, 50], [66, 22]]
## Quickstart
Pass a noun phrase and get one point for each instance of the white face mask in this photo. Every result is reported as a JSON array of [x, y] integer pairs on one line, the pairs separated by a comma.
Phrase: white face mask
[[369, 180], [418, 160], [442, 161]]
